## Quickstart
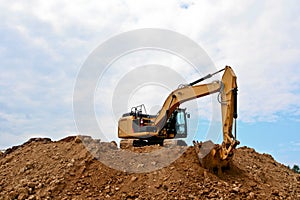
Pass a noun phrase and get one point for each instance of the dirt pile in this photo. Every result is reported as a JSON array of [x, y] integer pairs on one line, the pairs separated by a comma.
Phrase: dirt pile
[[43, 169]]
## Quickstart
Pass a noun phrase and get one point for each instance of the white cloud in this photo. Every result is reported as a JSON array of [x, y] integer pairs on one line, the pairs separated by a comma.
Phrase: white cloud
[[46, 42]]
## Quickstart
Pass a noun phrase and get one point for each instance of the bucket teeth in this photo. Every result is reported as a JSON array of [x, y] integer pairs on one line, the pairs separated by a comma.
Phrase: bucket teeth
[[209, 156], [203, 149]]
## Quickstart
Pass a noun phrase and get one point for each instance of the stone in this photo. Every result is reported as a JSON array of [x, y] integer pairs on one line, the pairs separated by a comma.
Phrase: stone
[[251, 195], [77, 139], [134, 178], [70, 165], [31, 184], [22, 196], [235, 189]]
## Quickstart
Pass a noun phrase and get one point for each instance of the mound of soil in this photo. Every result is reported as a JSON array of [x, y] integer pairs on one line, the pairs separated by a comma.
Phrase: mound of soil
[[65, 169]]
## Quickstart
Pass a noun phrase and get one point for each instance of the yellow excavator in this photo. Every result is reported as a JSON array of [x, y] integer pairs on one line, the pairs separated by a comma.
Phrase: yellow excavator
[[170, 122]]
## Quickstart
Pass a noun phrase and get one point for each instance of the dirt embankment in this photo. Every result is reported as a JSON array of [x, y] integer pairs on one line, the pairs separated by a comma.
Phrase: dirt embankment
[[43, 169]]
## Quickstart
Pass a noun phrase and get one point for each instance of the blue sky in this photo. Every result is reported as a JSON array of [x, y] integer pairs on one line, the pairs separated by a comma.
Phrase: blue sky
[[44, 44]]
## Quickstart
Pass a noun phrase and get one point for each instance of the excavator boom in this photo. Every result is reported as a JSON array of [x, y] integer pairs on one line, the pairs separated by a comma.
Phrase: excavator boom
[[182, 95]]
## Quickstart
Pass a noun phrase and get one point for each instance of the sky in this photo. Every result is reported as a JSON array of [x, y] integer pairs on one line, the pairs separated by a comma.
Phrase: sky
[[43, 45]]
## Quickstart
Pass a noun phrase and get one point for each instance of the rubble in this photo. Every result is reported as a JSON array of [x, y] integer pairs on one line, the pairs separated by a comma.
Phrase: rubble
[[45, 169]]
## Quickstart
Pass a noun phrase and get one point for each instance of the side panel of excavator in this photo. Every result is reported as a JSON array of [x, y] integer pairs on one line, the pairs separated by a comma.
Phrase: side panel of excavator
[[124, 127], [140, 126], [129, 129]]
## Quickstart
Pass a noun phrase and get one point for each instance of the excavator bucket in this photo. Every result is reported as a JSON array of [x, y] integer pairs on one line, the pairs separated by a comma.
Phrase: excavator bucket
[[209, 155]]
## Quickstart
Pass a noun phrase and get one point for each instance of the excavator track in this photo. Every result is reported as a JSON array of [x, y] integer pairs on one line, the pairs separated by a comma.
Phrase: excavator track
[[128, 143]]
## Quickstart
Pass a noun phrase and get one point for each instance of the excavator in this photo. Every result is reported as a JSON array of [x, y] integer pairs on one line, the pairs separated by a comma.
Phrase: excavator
[[170, 122]]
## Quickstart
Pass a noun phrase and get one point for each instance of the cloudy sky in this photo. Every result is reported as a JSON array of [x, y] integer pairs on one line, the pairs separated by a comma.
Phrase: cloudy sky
[[43, 45]]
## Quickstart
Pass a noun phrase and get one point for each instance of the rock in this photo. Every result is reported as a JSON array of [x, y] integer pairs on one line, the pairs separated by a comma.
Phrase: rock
[[140, 165], [157, 186], [131, 195], [22, 196], [275, 192], [134, 178], [243, 190], [70, 165], [212, 195], [77, 139], [251, 195], [114, 145], [22, 170], [31, 184], [39, 186], [235, 189], [12, 194], [205, 191], [23, 190], [165, 187], [31, 197], [252, 184]]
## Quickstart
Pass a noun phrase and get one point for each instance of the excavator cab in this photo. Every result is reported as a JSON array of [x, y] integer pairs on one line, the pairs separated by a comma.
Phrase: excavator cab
[[176, 126]]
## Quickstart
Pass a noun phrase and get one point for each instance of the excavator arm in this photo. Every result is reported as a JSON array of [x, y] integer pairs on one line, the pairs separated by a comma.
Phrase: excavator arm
[[215, 157], [229, 112]]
